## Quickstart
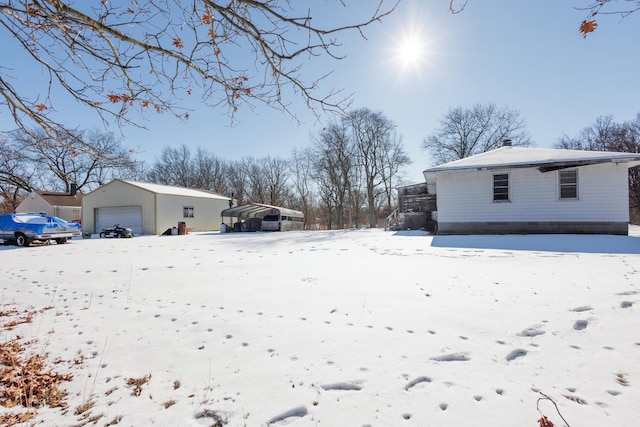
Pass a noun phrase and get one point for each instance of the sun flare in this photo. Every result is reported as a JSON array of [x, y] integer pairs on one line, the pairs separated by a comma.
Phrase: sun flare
[[411, 51]]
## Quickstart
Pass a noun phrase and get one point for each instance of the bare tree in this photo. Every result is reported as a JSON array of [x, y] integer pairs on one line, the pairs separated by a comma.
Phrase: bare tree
[[278, 176], [333, 164], [148, 55], [257, 184], [267, 180], [174, 167], [300, 166], [210, 172], [393, 158], [375, 139], [62, 162], [17, 173], [464, 132], [237, 178]]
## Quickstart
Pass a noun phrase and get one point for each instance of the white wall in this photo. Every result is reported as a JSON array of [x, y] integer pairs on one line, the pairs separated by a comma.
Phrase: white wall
[[33, 203], [118, 194], [468, 196], [206, 212]]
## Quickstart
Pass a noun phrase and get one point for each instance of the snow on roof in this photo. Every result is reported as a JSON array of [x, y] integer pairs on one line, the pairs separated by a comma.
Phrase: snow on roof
[[533, 157], [176, 191]]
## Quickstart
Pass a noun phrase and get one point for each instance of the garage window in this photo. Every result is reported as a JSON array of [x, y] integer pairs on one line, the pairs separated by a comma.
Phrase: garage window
[[188, 211]]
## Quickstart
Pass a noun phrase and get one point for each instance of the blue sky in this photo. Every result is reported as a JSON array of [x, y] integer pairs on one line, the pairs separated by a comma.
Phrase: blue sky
[[525, 54]]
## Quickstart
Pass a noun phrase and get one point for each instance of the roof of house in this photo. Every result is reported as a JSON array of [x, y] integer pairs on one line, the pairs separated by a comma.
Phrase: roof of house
[[175, 191], [546, 159], [60, 199]]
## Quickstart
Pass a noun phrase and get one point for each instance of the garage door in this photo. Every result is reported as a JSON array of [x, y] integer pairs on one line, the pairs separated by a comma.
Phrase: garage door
[[128, 216]]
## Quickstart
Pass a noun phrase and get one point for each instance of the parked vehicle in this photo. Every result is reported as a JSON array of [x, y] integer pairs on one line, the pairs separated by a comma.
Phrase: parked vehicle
[[22, 229], [116, 232], [274, 222]]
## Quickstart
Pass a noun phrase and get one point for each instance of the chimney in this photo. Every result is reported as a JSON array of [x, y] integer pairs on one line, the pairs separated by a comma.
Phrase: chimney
[[73, 190], [506, 143]]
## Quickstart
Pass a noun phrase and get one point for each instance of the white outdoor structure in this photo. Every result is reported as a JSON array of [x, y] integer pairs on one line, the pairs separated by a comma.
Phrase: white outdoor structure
[[533, 190], [63, 205], [150, 208]]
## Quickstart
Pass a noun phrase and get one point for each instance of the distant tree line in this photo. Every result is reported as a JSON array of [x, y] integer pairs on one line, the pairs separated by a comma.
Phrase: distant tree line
[[345, 178]]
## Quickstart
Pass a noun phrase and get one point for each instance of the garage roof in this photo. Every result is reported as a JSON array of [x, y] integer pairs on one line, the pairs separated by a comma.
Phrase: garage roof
[[252, 210], [174, 191]]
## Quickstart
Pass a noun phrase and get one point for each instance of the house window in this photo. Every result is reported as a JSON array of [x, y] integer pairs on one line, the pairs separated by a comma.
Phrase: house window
[[501, 187], [187, 212], [568, 184]]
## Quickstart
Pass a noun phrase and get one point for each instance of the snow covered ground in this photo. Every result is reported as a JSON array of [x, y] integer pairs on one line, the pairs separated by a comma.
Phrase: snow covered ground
[[334, 328]]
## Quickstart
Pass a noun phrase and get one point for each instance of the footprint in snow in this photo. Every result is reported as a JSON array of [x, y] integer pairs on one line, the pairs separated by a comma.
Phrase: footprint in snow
[[582, 308], [532, 331], [515, 354], [298, 412], [453, 357], [580, 325], [342, 387], [420, 380]]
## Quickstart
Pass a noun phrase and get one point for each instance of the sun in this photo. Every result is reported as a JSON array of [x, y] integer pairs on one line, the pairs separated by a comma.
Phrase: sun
[[411, 51]]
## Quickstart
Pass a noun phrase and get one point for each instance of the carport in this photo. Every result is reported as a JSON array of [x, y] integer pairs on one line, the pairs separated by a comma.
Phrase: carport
[[248, 217]]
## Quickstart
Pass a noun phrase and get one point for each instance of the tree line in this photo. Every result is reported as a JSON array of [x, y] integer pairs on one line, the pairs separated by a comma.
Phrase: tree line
[[345, 177]]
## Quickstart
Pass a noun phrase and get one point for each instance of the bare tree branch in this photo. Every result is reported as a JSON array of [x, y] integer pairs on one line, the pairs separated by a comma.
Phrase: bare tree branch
[[150, 55]]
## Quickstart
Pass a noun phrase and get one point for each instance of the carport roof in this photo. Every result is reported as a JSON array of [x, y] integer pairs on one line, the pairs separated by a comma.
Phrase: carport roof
[[251, 210]]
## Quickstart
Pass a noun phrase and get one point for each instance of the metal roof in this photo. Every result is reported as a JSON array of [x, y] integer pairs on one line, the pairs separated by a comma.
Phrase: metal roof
[[174, 191], [252, 210]]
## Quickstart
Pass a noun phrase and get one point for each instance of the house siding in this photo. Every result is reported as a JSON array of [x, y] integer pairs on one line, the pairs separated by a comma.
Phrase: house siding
[[206, 212], [465, 202], [34, 203]]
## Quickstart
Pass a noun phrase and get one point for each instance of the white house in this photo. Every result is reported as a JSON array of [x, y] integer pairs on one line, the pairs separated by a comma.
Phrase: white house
[[67, 206], [150, 208], [533, 190]]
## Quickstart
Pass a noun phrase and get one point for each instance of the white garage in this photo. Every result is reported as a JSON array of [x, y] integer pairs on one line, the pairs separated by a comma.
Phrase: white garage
[[149, 208], [125, 216]]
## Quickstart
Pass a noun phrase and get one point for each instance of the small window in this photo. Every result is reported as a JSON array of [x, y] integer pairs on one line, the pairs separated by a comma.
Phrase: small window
[[501, 187], [187, 212], [568, 184]]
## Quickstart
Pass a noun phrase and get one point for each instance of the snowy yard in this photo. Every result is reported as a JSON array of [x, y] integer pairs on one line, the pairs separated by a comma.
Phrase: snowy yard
[[332, 328]]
